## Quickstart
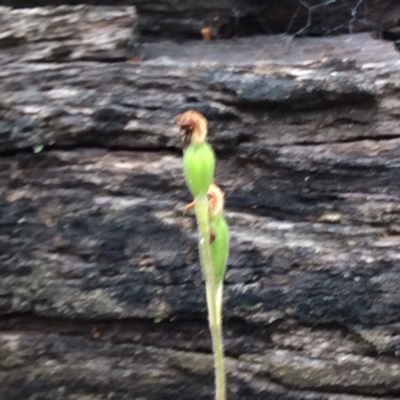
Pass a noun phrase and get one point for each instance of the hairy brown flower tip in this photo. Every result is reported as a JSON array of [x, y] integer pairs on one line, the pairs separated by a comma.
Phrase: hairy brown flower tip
[[215, 200], [194, 126], [206, 33]]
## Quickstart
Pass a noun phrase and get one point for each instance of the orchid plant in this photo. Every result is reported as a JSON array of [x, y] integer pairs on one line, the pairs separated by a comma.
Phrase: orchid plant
[[208, 203]]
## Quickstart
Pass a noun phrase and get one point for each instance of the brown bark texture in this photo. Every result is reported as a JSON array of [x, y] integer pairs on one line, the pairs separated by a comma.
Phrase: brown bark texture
[[101, 294]]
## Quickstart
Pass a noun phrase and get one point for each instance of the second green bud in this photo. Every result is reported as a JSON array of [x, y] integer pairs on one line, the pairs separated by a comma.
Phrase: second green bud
[[219, 246], [198, 165]]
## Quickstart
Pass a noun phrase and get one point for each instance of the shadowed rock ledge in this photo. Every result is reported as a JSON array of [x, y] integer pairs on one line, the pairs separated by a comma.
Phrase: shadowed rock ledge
[[230, 18], [101, 296]]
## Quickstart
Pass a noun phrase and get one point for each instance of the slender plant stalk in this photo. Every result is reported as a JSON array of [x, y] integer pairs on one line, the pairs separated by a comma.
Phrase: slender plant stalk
[[218, 350], [213, 292], [198, 166]]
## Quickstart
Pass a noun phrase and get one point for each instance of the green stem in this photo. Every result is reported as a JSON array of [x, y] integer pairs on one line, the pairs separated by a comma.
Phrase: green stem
[[218, 350], [213, 292]]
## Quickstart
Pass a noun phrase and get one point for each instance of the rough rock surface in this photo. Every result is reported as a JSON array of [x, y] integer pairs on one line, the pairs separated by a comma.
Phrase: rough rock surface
[[101, 295], [229, 18]]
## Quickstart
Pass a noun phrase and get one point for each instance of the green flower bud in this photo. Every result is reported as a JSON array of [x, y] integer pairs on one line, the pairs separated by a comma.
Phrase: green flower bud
[[198, 166], [219, 246]]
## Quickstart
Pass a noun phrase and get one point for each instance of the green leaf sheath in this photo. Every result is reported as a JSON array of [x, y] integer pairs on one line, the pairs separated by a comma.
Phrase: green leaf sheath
[[201, 209], [219, 247], [198, 165], [213, 290]]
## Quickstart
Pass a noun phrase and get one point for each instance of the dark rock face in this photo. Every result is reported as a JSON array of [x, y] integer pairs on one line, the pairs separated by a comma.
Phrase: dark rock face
[[101, 295], [230, 18]]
